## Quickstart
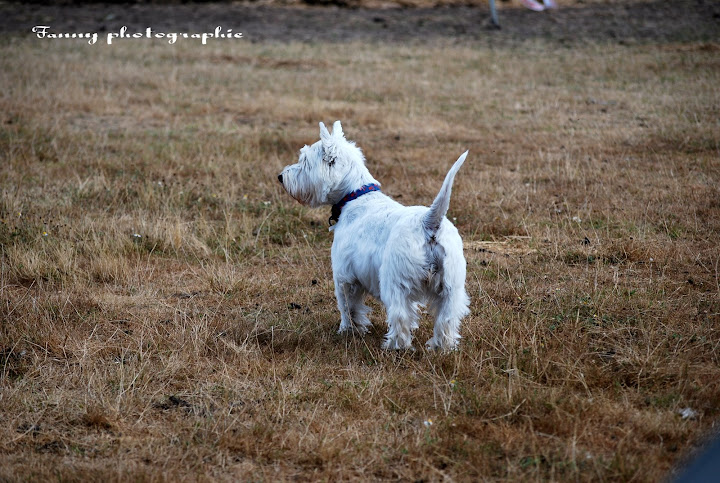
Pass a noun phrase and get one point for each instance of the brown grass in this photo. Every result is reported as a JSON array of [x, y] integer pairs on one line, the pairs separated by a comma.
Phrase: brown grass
[[167, 311]]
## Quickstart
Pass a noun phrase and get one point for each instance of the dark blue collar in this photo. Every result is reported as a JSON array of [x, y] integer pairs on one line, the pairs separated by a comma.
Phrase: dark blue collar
[[337, 207]]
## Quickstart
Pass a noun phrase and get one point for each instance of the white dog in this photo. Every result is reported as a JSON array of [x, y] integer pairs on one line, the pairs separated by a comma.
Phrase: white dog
[[405, 256]]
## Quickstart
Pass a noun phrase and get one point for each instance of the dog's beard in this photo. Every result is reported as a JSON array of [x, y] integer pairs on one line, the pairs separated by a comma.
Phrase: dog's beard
[[293, 184]]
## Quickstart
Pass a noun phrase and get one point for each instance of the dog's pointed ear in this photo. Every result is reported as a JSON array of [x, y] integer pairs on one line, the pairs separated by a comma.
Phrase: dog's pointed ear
[[337, 130], [325, 136]]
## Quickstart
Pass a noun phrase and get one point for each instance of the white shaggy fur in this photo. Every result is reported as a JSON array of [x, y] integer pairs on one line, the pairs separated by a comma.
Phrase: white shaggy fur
[[405, 256]]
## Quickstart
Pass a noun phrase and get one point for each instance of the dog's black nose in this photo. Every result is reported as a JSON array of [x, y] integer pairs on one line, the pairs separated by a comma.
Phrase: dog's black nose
[[280, 178]]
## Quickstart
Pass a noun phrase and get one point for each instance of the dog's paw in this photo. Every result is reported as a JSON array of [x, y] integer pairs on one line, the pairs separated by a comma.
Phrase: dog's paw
[[353, 329], [396, 345], [448, 345]]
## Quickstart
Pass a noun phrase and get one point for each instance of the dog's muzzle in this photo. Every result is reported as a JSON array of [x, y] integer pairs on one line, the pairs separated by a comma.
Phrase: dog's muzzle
[[280, 178]]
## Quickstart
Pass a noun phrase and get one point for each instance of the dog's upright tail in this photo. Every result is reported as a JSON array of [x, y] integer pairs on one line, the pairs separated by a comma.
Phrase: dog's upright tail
[[439, 208]]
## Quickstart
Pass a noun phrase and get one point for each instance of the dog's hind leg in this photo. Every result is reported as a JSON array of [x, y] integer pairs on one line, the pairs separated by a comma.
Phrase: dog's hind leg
[[402, 318], [402, 321], [448, 310], [353, 312]]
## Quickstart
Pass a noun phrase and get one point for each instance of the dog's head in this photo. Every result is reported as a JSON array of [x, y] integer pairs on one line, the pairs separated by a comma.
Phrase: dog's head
[[325, 171]]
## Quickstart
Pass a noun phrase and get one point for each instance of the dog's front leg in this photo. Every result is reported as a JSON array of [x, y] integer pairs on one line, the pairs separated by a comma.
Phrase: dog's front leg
[[345, 318], [353, 312]]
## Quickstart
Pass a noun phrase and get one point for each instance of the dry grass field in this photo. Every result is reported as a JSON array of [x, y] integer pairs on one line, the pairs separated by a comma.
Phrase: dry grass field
[[167, 311]]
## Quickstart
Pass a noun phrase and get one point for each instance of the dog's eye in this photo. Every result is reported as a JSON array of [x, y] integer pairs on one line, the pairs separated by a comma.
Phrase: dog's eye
[[330, 161]]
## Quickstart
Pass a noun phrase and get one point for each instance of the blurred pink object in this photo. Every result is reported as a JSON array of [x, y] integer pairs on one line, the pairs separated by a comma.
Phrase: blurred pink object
[[532, 5]]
